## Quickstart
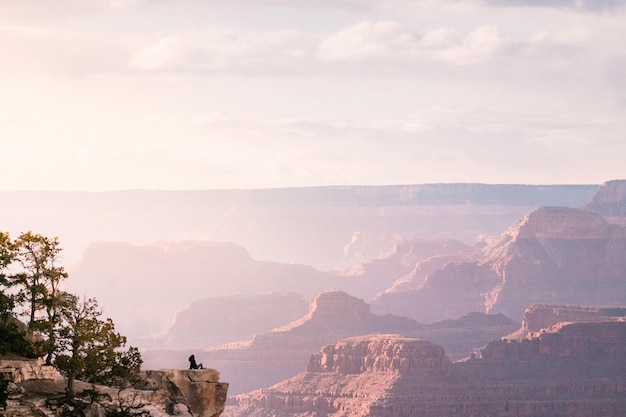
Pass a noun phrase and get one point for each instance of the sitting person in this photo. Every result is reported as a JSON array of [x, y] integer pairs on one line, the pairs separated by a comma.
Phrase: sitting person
[[193, 364]]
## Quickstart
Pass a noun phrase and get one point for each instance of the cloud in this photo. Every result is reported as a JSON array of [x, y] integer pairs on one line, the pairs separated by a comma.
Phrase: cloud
[[367, 39], [222, 51], [394, 42], [578, 5], [165, 53]]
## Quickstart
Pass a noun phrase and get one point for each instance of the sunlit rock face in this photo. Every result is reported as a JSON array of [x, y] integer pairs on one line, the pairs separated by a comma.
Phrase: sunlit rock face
[[610, 201], [198, 389], [568, 370], [543, 316], [19, 370], [554, 255], [380, 354]]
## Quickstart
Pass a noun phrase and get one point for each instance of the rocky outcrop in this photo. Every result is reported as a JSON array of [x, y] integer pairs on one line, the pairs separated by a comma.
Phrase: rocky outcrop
[[380, 354], [333, 315], [583, 340], [610, 201], [554, 255], [570, 370], [540, 316], [18, 370], [198, 389], [37, 390]]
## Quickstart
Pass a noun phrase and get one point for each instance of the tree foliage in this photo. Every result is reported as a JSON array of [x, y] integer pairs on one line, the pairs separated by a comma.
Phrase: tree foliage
[[91, 349], [69, 330], [37, 284], [13, 337]]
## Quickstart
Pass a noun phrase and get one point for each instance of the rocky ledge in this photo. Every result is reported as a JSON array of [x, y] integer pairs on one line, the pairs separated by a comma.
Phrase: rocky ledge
[[37, 390], [543, 316], [199, 389]]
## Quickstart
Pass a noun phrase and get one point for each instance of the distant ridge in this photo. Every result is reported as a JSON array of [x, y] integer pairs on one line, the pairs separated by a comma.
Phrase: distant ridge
[[554, 255]]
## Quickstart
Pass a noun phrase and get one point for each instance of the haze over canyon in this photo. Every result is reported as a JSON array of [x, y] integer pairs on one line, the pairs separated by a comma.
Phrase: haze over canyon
[[260, 283]]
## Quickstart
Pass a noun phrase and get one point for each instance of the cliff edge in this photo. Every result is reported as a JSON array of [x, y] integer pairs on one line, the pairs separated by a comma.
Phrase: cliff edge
[[36, 390]]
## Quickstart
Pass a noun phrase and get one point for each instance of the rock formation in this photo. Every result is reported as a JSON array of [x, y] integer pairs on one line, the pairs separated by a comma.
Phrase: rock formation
[[37, 390], [330, 228], [198, 389], [375, 276], [167, 277], [216, 321], [17, 369], [333, 315], [571, 370], [551, 256], [610, 201], [273, 356], [539, 317]]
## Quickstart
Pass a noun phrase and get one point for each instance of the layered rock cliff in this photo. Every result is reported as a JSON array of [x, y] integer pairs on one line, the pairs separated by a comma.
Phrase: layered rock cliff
[[539, 317], [17, 370], [36, 390], [571, 370], [199, 389], [552, 256], [333, 315], [610, 201]]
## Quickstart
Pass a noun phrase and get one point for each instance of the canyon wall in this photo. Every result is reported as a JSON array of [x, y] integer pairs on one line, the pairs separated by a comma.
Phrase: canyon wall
[[553, 255], [541, 316], [333, 315], [569, 370]]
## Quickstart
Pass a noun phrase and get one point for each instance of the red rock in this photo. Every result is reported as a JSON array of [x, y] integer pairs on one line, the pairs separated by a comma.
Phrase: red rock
[[551, 256], [572, 370]]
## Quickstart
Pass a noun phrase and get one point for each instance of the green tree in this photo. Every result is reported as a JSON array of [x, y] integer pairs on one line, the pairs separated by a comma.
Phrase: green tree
[[91, 349], [38, 283], [12, 336]]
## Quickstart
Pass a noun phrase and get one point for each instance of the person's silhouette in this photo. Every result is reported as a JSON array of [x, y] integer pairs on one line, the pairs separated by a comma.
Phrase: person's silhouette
[[193, 364]]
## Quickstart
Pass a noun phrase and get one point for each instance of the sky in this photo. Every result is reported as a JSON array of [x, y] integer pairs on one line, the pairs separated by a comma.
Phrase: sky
[[99, 95]]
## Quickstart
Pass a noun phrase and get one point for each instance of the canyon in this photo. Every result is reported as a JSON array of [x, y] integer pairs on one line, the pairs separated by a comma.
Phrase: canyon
[[574, 369], [421, 304], [554, 255], [271, 357], [385, 257]]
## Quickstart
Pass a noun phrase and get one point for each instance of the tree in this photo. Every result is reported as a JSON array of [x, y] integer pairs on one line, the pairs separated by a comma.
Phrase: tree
[[90, 348], [38, 285], [12, 336]]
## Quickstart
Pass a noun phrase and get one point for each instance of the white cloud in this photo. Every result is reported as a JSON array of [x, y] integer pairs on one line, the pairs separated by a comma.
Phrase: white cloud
[[229, 51], [390, 40], [165, 53], [367, 39], [478, 45]]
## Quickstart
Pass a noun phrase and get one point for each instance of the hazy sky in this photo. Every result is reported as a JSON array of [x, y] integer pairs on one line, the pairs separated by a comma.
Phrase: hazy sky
[[197, 94]]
